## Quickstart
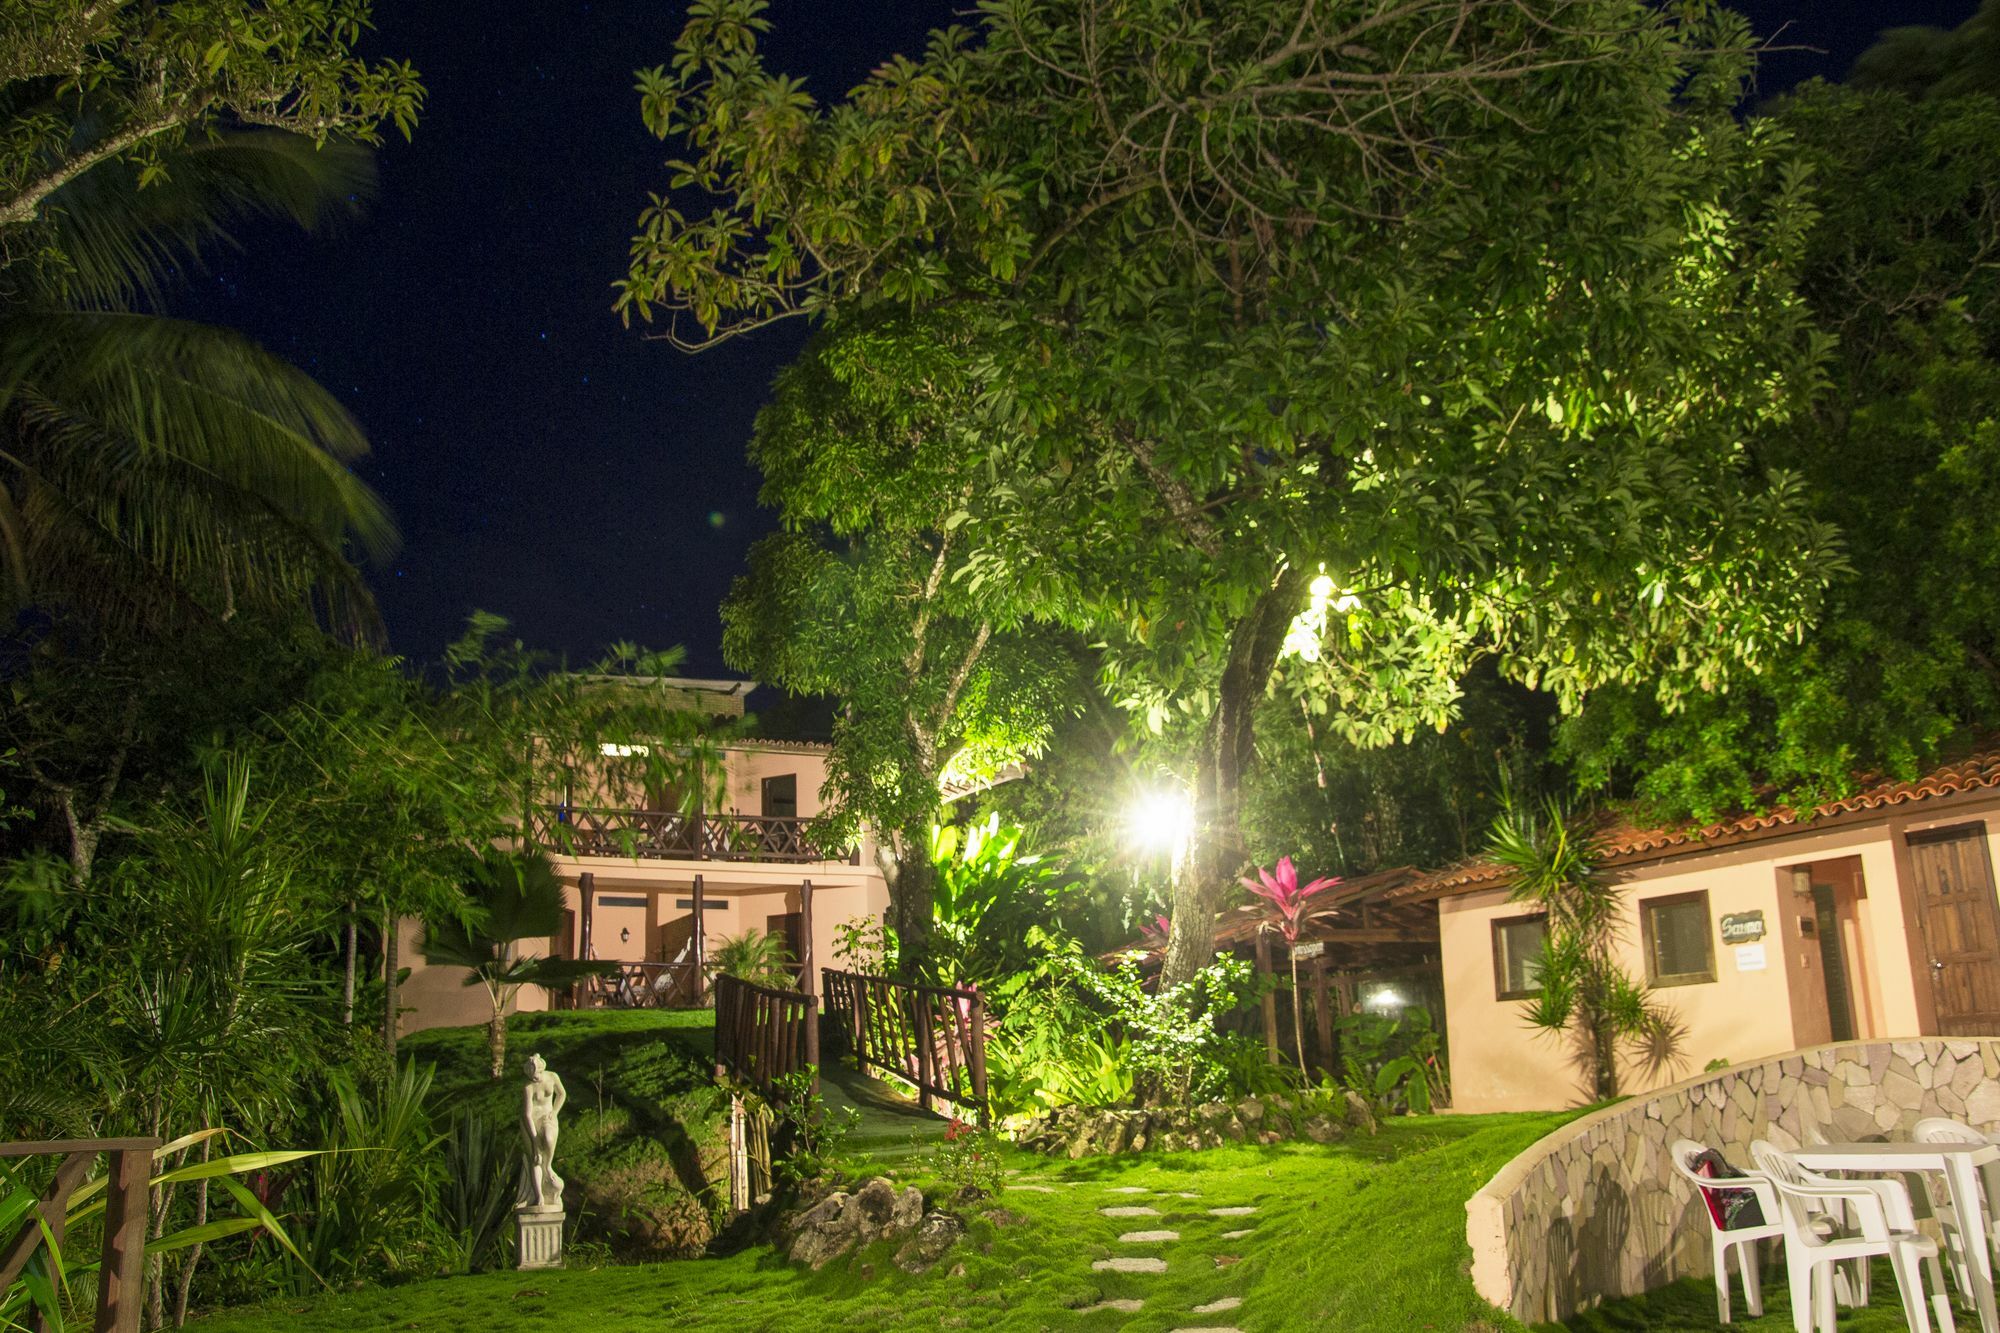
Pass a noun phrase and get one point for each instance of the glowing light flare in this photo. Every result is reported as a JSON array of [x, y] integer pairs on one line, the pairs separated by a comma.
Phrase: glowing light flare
[[1161, 821], [1308, 628]]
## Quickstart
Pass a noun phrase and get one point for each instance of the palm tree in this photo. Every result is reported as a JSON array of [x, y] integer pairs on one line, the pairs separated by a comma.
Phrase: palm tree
[[153, 467], [512, 897], [752, 956]]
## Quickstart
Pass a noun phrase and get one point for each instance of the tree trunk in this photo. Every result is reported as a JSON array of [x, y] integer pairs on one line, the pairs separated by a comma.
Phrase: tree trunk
[[347, 971], [496, 1041], [1227, 750], [391, 999], [906, 864]]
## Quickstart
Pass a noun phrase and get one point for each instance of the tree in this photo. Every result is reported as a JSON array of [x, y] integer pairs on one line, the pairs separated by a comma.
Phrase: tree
[[1903, 452], [91, 82], [864, 597], [513, 897], [1924, 61], [156, 469], [1341, 348], [1557, 863]]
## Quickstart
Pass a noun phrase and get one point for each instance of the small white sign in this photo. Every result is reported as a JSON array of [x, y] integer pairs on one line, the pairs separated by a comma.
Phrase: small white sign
[[1749, 958], [1301, 952]]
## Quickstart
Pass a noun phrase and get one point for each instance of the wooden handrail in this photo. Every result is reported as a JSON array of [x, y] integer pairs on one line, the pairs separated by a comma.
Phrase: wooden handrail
[[670, 835], [934, 1036], [763, 1033], [122, 1260]]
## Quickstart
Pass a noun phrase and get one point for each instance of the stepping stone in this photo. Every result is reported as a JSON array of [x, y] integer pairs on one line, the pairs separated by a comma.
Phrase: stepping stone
[[1207, 1328], [1147, 1237], [1231, 1212], [1140, 1211], [1129, 1265], [1032, 1189], [1124, 1305], [1237, 1235], [1217, 1307], [1189, 1194], [1127, 1189]]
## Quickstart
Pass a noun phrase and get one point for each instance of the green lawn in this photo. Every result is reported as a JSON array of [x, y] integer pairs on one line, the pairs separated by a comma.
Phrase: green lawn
[[1368, 1234]]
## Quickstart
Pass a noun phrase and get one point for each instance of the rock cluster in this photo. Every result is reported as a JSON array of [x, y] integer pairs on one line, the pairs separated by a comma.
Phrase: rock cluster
[[1079, 1131], [842, 1222]]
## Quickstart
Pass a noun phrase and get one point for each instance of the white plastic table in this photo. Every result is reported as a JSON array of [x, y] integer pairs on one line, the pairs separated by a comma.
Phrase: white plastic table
[[1959, 1163]]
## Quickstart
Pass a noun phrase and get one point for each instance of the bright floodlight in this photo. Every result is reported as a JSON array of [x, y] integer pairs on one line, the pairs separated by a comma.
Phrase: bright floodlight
[[1384, 1000], [1162, 820]]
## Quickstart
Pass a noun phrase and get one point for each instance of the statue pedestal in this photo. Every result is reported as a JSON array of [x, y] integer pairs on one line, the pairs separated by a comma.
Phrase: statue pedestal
[[540, 1233]]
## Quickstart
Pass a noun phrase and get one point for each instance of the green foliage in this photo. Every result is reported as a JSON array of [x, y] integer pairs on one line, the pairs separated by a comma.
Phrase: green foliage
[[807, 1136], [968, 1160], [1556, 863], [752, 956], [990, 891], [372, 1198], [1395, 1061], [1923, 61], [1903, 453], [482, 1166]]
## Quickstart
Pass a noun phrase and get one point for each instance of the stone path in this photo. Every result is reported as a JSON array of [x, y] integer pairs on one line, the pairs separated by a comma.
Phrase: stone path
[[1152, 1264]]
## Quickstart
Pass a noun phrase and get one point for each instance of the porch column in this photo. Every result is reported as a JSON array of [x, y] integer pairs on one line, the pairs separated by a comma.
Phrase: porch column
[[700, 949], [586, 886], [1270, 1001], [1323, 1013], [808, 975]]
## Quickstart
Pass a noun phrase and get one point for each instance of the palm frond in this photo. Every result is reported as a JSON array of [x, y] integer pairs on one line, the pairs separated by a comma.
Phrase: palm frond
[[112, 238]]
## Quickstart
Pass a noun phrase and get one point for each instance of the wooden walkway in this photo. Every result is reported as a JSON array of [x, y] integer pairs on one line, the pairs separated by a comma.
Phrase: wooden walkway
[[891, 1124]]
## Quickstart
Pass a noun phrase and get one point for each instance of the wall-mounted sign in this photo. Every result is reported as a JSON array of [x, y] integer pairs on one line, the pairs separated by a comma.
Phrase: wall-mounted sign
[[1749, 958], [1301, 952], [1742, 927]]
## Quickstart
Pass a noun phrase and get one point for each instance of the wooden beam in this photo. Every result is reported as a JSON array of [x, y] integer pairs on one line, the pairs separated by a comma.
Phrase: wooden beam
[[586, 885], [1323, 1013], [700, 946], [808, 978], [1378, 935]]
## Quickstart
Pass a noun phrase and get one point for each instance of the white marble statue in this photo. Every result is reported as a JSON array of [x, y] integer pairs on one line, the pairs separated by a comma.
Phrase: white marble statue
[[542, 1098]]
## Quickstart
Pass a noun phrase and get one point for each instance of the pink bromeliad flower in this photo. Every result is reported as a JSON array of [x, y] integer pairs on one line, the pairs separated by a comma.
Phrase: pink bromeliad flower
[[1280, 887], [1156, 931]]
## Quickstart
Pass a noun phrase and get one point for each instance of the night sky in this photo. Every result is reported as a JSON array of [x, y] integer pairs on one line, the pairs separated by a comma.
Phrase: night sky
[[544, 462]]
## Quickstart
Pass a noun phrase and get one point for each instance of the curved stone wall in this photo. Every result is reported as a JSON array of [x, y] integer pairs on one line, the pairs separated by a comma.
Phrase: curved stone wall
[[1593, 1211]]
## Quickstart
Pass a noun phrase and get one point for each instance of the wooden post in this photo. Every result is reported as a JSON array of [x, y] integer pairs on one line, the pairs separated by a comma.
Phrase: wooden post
[[121, 1283], [808, 980], [926, 1051], [1270, 1001], [976, 1056], [1323, 1014], [586, 885], [700, 947]]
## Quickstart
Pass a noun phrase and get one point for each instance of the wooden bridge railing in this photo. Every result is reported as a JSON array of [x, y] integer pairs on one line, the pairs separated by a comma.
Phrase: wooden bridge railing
[[934, 1036], [763, 1033], [122, 1261]]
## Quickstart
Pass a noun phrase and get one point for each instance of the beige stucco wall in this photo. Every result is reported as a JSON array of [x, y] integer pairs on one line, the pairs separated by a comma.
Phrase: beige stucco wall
[[1498, 1063]]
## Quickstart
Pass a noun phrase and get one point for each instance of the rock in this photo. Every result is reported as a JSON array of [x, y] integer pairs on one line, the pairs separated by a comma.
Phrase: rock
[[935, 1236], [1359, 1113], [1004, 1217], [909, 1209], [1218, 1306], [1322, 1129], [1127, 1264], [1250, 1111], [874, 1207]]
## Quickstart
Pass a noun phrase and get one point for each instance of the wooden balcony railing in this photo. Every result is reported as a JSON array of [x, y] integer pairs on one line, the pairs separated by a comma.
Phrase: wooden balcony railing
[[934, 1036], [669, 835], [763, 1033]]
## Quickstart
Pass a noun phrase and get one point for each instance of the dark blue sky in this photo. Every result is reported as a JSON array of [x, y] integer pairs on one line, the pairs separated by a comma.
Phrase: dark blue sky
[[544, 462]]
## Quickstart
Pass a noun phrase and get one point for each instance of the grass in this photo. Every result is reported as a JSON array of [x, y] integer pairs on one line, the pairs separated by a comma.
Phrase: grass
[[1363, 1235]]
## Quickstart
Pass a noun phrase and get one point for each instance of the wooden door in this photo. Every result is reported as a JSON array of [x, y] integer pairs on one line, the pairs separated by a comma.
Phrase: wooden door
[[1961, 925]]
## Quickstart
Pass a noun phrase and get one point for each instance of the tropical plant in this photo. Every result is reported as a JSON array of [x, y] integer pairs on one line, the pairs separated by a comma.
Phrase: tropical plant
[[156, 468], [1556, 862], [807, 1135], [372, 1197], [482, 1167], [1395, 1061], [511, 897], [967, 1160], [42, 1288], [1287, 897], [754, 956], [989, 890]]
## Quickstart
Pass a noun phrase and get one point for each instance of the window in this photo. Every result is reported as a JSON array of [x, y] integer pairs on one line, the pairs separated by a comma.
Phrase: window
[[1675, 931], [1517, 956], [781, 797]]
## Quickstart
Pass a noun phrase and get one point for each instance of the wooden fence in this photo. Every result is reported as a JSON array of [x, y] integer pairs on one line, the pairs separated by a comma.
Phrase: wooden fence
[[763, 1033], [122, 1261], [934, 1036]]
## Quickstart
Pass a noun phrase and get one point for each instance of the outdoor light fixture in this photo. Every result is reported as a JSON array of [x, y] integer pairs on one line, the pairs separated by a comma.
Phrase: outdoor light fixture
[[1161, 821], [1384, 1000]]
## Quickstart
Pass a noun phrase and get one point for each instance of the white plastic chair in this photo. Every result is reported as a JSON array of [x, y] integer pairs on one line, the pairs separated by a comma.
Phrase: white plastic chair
[[1741, 1241], [1880, 1222], [1941, 1129]]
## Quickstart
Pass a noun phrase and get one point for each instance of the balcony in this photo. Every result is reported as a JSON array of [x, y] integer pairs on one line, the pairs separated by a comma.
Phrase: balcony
[[669, 835]]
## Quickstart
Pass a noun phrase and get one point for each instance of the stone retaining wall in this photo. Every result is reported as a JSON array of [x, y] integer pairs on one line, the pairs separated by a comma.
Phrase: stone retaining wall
[[1594, 1210]]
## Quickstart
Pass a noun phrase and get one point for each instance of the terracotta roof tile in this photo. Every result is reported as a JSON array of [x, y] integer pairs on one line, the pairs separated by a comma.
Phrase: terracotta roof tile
[[1628, 843]]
